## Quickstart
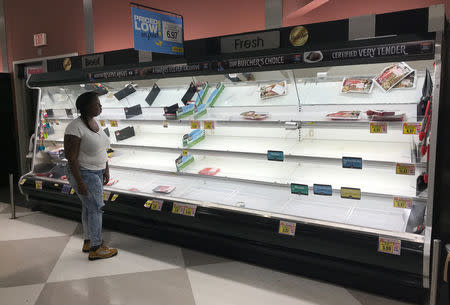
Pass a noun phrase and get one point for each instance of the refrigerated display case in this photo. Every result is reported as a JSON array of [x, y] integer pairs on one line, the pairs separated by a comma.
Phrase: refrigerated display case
[[311, 164]]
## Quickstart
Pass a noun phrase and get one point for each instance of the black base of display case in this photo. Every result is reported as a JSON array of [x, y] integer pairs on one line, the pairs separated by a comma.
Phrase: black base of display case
[[216, 232]]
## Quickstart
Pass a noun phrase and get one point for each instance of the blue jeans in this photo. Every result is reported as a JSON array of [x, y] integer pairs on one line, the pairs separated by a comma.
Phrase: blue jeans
[[91, 214]]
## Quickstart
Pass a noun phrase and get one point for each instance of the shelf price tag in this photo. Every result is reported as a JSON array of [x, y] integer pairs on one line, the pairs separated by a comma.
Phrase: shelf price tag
[[114, 197], [405, 169], [209, 124], [301, 189], [195, 125], [113, 123], [378, 127], [411, 128], [72, 191], [66, 189], [402, 202], [38, 185], [287, 228], [166, 124], [185, 152], [184, 209], [102, 123], [22, 182], [106, 195], [351, 162], [389, 245], [350, 193], [154, 205]]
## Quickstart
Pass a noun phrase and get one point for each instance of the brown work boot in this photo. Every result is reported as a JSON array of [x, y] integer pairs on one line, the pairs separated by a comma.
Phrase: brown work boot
[[102, 252], [86, 246]]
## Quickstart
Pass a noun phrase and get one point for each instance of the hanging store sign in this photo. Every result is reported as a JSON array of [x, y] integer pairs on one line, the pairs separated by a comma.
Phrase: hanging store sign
[[157, 32], [250, 42]]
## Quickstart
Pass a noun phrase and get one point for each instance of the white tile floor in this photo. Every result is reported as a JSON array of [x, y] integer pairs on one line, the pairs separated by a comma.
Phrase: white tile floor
[[41, 263]]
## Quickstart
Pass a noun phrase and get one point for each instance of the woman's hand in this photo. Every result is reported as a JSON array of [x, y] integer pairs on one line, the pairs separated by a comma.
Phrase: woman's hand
[[106, 177], [82, 189]]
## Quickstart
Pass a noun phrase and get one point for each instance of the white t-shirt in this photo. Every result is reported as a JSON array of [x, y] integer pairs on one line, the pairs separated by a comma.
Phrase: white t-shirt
[[93, 145]]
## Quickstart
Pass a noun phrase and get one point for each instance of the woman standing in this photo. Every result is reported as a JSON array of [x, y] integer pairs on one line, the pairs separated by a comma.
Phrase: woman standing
[[85, 145]]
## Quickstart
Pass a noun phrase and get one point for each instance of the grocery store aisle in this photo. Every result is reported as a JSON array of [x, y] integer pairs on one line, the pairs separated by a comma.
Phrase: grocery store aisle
[[41, 263]]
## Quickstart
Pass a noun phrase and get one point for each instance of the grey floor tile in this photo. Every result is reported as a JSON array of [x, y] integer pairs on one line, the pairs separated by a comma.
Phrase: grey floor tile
[[243, 284], [371, 299], [29, 261], [168, 287], [20, 295], [5, 208], [195, 258], [135, 255], [34, 225]]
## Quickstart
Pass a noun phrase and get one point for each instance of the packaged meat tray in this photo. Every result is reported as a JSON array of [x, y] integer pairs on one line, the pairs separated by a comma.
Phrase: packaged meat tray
[[273, 90], [392, 75], [345, 115], [408, 82], [381, 115], [252, 115], [357, 85]]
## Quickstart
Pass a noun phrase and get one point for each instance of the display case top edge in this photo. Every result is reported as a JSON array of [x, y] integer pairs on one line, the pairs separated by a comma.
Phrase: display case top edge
[[355, 52]]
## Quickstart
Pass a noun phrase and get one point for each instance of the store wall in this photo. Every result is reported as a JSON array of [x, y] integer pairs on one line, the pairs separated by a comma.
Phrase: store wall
[[202, 18], [62, 20], [341, 9]]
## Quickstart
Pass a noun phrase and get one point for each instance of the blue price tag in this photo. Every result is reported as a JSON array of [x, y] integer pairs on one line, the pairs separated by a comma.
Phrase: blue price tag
[[350, 162], [322, 189], [66, 189], [274, 155]]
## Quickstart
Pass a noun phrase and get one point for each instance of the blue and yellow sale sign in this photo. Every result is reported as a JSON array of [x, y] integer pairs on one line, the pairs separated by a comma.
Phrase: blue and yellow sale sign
[[157, 32]]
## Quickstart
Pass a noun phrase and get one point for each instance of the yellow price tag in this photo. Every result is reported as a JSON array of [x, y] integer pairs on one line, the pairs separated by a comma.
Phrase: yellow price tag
[[38, 185], [350, 193], [22, 182], [148, 203], [209, 124], [176, 209], [156, 206], [185, 152], [405, 169], [72, 191], [187, 211], [378, 127], [287, 228], [106, 196], [114, 197], [400, 202], [388, 245], [102, 123], [195, 125], [411, 128], [113, 123]]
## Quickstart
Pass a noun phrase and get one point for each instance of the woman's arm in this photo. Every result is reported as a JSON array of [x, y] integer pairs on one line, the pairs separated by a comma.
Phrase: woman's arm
[[106, 174], [71, 150]]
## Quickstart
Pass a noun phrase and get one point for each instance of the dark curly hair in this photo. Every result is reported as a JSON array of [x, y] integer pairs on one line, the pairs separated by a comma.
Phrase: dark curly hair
[[84, 100]]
